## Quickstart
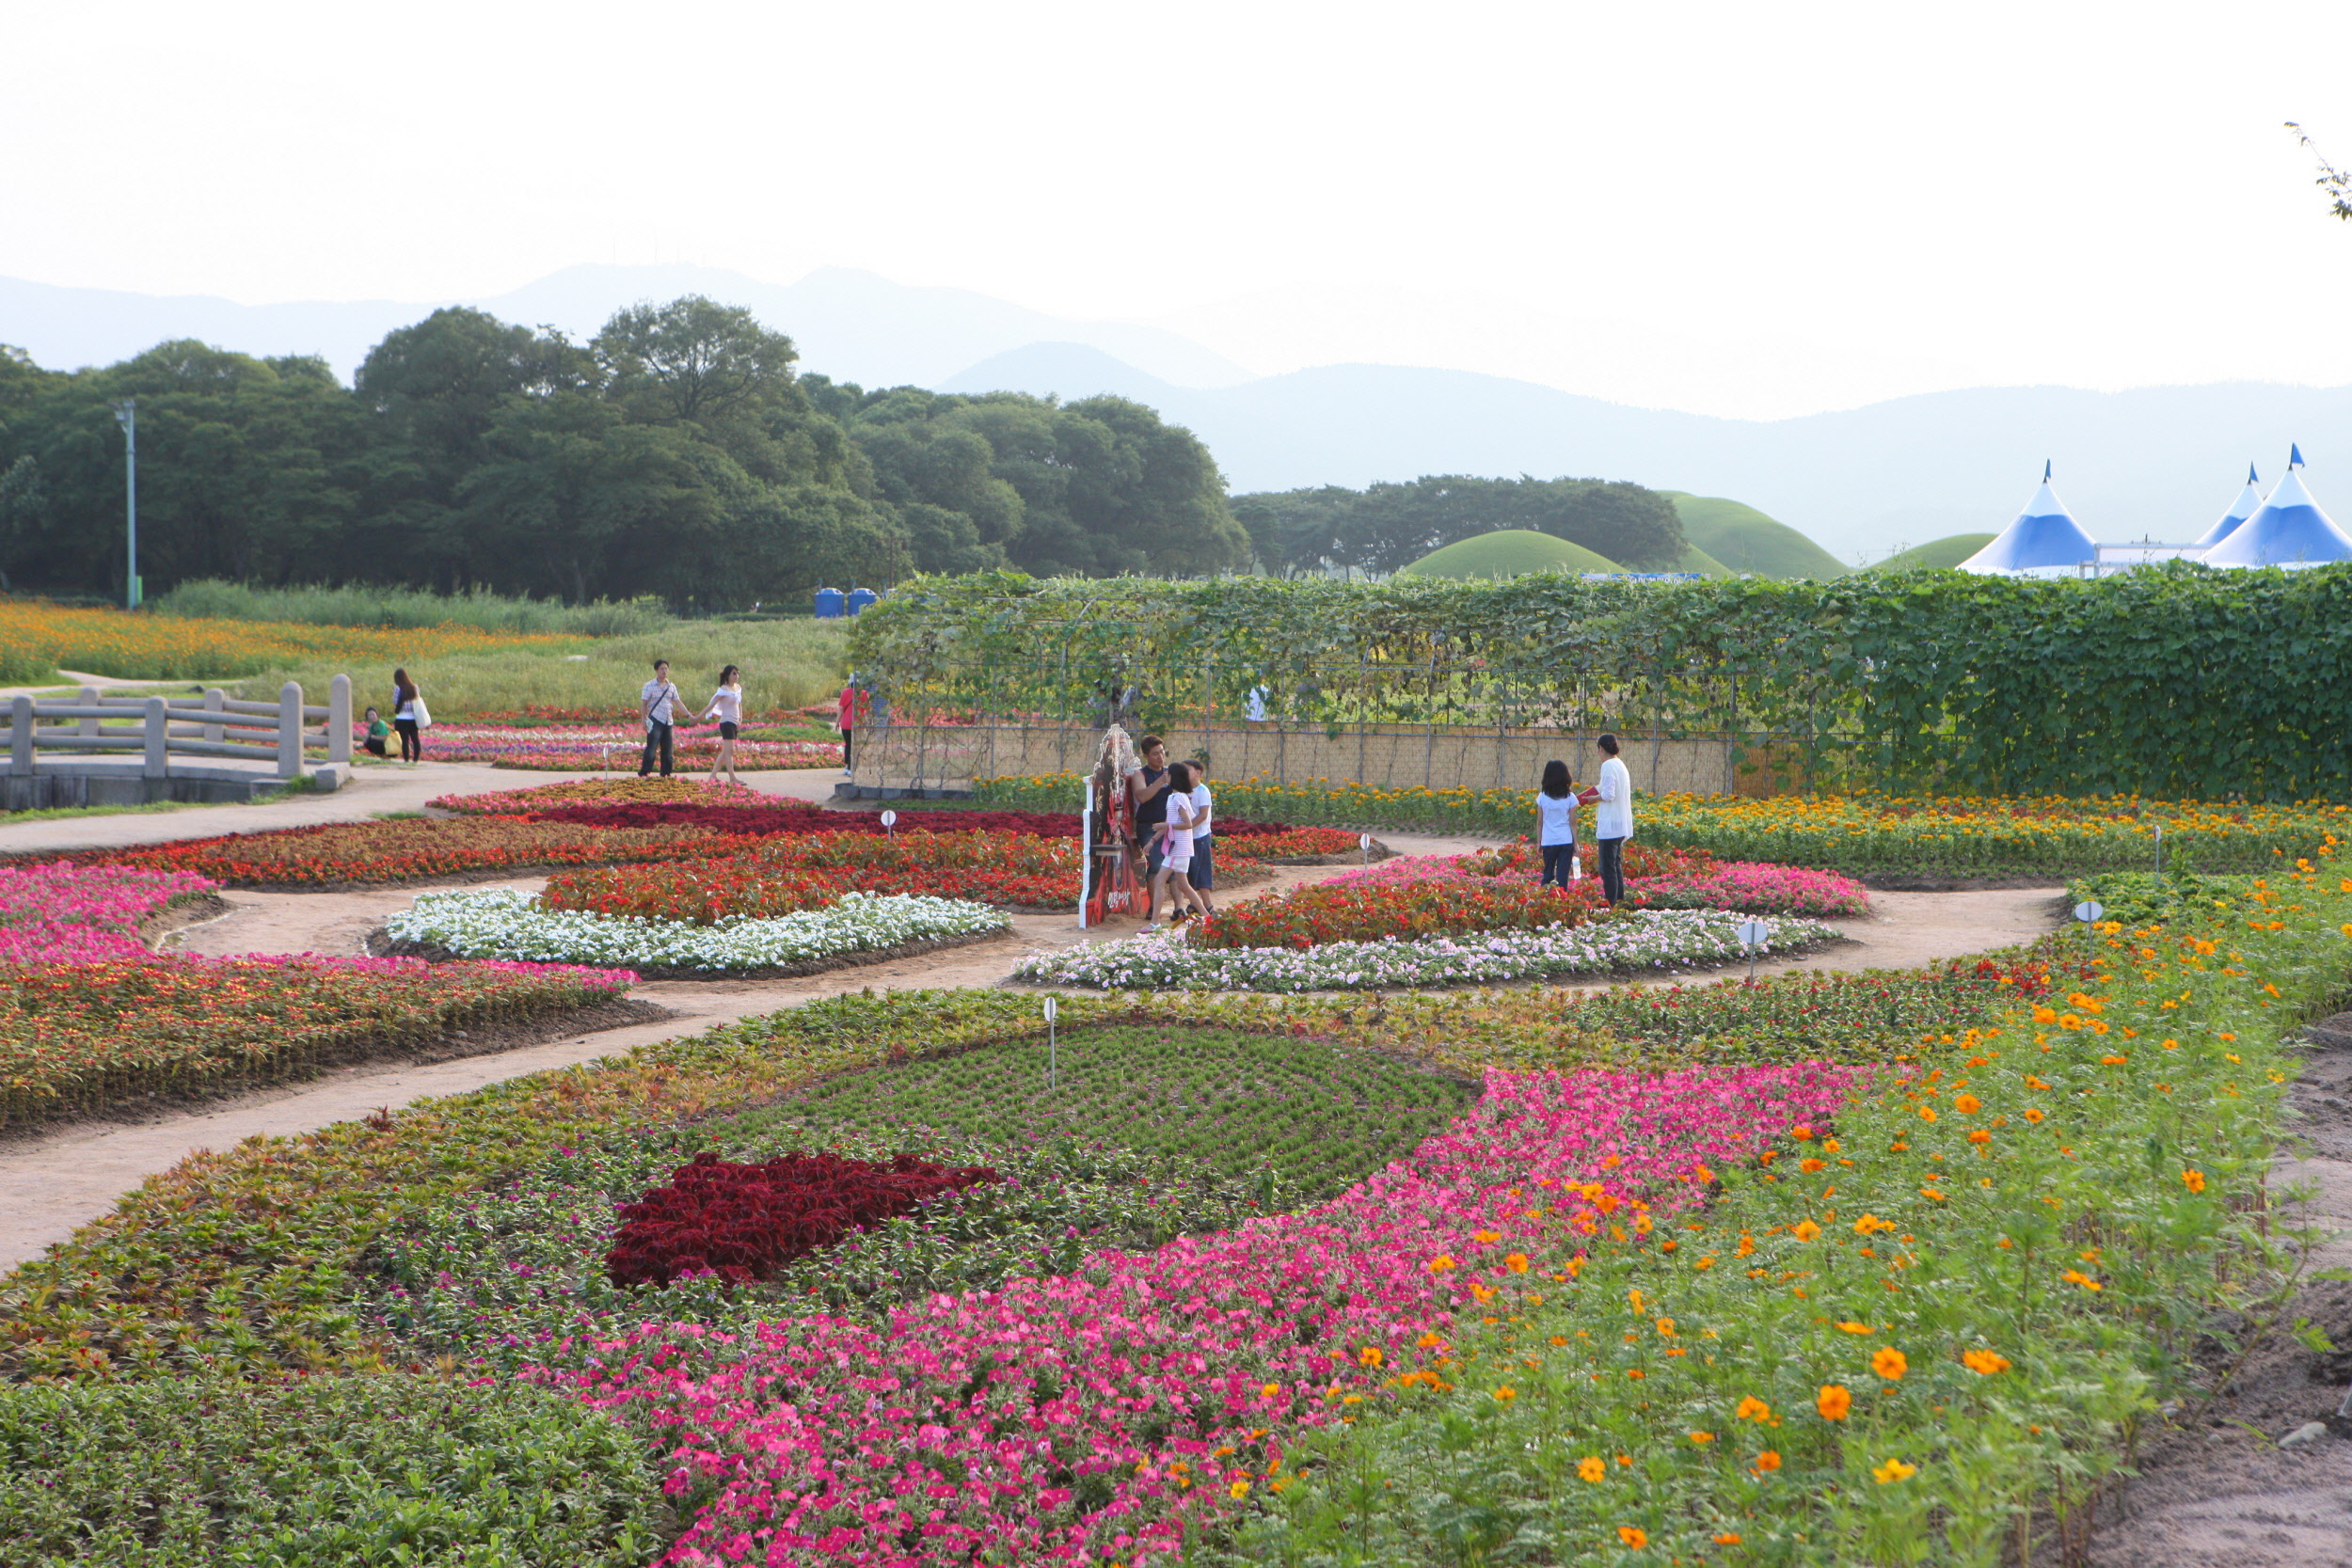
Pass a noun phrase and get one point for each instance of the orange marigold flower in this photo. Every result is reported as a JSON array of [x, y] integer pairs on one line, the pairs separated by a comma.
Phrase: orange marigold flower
[[2112, 1060], [1809, 1165], [1369, 1355], [1967, 1104], [1633, 1536], [1440, 1263], [1984, 1363], [1592, 1467], [1767, 1462], [1753, 1409], [1517, 1262], [1806, 1230], [1892, 1471], [1702, 1437], [1927, 1112], [1834, 1401], [2193, 1180], [2034, 1114], [1980, 1136], [1889, 1363], [1855, 1327], [1505, 1394], [1270, 1390], [2077, 1277], [1728, 1538]]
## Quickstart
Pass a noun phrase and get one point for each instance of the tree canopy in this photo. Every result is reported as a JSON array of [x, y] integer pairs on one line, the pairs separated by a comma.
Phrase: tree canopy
[[1388, 526], [676, 452]]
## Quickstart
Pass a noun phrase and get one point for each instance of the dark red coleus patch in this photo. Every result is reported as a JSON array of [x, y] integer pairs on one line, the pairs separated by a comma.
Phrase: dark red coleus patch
[[746, 1221]]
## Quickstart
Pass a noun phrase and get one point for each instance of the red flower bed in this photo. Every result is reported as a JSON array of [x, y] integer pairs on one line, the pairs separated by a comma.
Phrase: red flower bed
[[1323, 912], [780, 876], [412, 849], [746, 1221]]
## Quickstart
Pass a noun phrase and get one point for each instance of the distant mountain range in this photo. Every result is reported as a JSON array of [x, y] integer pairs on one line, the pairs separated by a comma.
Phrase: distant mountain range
[[2160, 463]]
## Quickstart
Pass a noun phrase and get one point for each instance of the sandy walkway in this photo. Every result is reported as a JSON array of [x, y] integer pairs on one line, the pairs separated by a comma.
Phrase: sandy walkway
[[51, 1182]]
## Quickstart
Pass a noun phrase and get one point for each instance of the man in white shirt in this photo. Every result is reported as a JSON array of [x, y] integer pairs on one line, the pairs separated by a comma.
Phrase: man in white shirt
[[660, 702], [1612, 824]]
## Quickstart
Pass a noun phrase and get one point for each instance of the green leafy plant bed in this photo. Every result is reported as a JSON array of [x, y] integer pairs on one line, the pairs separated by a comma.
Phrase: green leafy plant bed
[[1885, 840], [1148, 1133], [2144, 898], [181, 1471]]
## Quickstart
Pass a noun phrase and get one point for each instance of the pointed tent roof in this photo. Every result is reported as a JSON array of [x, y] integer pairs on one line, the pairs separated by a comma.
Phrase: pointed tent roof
[[2045, 538], [2248, 501], [2290, 530]]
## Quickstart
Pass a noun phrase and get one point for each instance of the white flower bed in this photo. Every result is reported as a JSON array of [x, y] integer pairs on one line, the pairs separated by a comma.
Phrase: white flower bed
[[1637, 940], [499, 922]]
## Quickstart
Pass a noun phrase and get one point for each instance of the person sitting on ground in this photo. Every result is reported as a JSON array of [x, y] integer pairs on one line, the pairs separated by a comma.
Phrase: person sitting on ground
[[1173, 847], [1203, 873], [379, 735]]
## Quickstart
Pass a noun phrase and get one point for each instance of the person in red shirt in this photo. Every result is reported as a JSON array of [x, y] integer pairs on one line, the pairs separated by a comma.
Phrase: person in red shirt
[[853, 714]]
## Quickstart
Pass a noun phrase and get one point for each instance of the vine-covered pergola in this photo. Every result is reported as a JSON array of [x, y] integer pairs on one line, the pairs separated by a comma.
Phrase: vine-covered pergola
[[2174, 681]]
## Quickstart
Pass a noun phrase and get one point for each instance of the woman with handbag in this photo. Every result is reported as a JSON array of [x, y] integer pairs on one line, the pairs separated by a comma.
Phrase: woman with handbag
[[410, 715]]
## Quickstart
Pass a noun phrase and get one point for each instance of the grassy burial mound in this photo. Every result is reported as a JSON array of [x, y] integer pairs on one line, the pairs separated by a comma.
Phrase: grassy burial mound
[[1947, 551], [1746, 540], [1507, 553]]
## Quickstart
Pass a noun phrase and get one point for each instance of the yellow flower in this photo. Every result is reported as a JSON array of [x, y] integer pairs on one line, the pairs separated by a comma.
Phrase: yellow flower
[[1239, 1489], [1505, 1394], [1892, 1471], [1369, 1355]]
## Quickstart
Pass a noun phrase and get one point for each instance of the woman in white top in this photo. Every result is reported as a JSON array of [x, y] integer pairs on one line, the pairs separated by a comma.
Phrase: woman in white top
[[407, 700], [1555, 824], [726, 706], [1176, 854], [1613, 823]]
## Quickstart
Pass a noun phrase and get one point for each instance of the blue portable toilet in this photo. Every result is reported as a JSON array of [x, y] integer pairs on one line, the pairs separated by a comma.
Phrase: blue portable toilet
[[860, 598], [829, 604]]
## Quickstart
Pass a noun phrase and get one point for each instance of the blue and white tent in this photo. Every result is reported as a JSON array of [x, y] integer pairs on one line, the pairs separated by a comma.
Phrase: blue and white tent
[[2248, 501], [2045, 541], [2290, 530]]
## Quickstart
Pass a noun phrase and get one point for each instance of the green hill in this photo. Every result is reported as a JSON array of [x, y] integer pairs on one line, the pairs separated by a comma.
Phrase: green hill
[[1746, 540], [1506, 553], [1949, 551], [1696, 560]]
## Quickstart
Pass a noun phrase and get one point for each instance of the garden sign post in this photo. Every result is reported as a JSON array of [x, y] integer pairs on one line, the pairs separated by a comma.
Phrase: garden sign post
[[1363, 842], [1053, 1007], [1753, 935], [890, 824], [1085, 851], [2089, 912]]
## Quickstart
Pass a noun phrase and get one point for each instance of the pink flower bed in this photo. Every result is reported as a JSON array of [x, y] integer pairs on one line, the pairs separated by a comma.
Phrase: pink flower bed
[[64, 914], [1729, 885], [976, 1422], [616, 748]]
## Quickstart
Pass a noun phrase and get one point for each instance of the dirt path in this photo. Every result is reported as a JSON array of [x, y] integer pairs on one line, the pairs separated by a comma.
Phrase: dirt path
[[51, 1182]]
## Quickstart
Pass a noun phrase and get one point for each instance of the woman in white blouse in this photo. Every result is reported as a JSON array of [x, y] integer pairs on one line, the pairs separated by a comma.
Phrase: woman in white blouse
[[1612, 824], [726, 706]]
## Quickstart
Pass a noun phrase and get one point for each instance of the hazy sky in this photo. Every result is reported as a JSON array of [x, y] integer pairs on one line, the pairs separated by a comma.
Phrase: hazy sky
[[1743, 208]]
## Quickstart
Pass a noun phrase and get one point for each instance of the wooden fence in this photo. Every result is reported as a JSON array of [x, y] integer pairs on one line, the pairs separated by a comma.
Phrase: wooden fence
[[160, 729]]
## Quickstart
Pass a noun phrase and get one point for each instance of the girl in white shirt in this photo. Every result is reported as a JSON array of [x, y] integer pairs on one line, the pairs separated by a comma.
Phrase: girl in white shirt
[[1176, 856], [1555, 824], [726, 706]]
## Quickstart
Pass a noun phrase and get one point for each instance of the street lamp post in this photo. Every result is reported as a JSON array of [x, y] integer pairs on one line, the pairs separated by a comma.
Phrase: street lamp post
[[127, 415]]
